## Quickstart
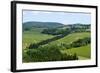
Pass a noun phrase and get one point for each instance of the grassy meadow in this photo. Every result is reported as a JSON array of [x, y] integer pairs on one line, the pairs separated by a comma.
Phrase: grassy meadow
[[34, 36], [83, 52]]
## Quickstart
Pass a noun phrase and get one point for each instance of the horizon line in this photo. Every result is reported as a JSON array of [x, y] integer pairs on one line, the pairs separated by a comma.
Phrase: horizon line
[[55, 22]]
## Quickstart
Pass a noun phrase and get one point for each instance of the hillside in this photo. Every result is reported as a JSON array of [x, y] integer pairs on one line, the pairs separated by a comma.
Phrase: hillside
[[79, 51], [72, 37], [34, 36], [50, 41], [41, 24]]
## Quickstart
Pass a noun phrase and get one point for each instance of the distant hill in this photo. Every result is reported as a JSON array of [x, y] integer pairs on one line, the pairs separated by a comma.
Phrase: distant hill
[[76, 26], [41, 24], [81, 25]]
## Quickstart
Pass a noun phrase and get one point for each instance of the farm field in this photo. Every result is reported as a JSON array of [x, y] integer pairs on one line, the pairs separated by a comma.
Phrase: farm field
[[72, 37], [33, 36], [83, 52]]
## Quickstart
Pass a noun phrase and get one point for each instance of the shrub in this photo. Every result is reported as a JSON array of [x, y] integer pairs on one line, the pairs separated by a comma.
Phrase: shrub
[[81, 42], [50, 52]]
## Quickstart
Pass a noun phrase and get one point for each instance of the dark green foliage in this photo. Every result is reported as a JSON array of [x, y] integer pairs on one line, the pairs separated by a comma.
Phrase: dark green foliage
[[67, 46], [33, 45], [81, 42], [26, 29], [75, 56], [69, 57], [47, 53], [56, 31], [26, 57], [49, 31], [67, 29]]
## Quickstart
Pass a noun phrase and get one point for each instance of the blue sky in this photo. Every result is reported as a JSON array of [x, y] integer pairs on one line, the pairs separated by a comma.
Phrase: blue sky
[[61, 17]]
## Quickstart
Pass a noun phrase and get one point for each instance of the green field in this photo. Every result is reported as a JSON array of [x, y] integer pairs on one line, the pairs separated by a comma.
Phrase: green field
[[34, 36], [72, 37], [83, 52]]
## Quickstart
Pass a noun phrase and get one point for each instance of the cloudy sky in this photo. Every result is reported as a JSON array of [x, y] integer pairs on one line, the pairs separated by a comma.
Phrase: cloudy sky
[[61, 17]]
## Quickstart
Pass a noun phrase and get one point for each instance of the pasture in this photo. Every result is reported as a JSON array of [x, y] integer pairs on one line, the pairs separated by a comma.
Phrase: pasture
[[83, 52], [33, 36]]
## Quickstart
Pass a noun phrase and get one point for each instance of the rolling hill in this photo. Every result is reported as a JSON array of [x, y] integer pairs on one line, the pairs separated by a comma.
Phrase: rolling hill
[[41, 24], [34, 35]]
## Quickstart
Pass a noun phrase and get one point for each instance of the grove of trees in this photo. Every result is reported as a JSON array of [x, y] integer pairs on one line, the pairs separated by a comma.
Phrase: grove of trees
[[47, 53]]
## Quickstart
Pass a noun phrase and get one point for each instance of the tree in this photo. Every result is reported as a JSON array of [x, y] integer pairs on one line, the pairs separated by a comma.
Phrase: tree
[[26, 29]]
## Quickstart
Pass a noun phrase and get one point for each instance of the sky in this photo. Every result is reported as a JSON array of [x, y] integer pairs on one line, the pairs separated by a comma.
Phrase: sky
[[60, 17]]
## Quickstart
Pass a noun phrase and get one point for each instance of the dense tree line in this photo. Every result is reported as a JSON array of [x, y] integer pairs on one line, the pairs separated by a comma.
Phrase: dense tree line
[[36, 45], [77, 43], [56, 31], [68, 29], [81, 42], [47, 53], [26, 29]]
